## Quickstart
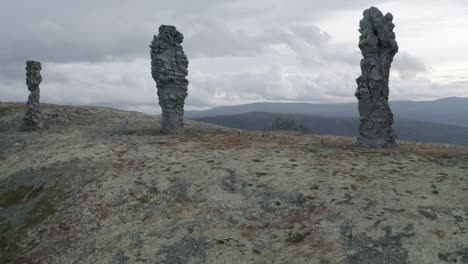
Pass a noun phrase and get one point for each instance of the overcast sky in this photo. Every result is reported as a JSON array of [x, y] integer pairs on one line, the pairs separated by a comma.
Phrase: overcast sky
[[242, 51]]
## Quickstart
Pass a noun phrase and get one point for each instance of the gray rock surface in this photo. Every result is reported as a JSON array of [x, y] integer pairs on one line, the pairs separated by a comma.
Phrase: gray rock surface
[[169, 69], [378, 46], [33, 118]]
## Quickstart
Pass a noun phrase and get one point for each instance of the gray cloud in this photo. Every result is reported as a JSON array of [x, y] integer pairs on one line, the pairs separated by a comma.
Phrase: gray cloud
[[215, 39], [88, 30], [425, 89], [408, 66], [96, 52]]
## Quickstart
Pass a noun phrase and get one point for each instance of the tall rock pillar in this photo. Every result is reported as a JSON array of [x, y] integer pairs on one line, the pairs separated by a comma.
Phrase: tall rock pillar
[[169, 70], [33, 118], [378, 46]]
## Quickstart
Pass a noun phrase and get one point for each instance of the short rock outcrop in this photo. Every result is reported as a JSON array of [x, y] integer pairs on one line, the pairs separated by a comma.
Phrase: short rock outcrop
[[283, 124], [33, 118], [169, 70], [378, 46]]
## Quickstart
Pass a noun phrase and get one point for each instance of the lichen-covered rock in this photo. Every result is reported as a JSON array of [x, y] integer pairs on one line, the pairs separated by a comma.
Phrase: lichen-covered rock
[[78, 195], [169, 69], [33, 118], [283, 124], [287, 124], [378, 46]]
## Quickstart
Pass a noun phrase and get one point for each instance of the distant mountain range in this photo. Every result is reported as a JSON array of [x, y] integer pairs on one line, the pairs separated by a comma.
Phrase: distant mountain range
[[449, 111], [439, 121], [345, 126]]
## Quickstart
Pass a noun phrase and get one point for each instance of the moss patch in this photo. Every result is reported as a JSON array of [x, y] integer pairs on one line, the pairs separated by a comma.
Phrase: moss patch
[[256, 251], [9, 108], [21, 194], [10, 235], [4, 111], [296, 237], [7, 242], [5, 231], [44, 208]]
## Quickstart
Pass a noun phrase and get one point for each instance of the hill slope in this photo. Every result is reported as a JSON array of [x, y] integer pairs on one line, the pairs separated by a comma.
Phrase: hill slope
[[341, 126], [89, 189], [450, 111]]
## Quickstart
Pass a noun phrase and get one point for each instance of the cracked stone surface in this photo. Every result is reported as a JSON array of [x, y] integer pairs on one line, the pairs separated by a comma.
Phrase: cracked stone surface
[[378, 46], [169, 70], [33, 118]]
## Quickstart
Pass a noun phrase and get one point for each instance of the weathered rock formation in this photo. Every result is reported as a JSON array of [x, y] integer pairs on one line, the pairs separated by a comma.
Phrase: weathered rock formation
[[378, 46], [33, 118], [283, 124], [169, 69], [286, 124]]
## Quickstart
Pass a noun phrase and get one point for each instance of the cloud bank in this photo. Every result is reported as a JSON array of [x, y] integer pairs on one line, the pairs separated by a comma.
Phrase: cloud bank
[[96, 52]]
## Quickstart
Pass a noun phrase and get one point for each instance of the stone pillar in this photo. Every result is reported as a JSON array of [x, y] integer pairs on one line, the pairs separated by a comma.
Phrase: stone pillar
[[169, 70], [33, 118], [378, 46]]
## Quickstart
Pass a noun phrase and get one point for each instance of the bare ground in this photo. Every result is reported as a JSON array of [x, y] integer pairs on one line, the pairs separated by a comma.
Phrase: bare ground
[[104, 186]]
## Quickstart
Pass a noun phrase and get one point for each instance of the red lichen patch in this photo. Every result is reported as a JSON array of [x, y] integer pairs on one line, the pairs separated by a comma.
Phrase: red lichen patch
[[102, 210], [130, 164], [296, 216], [317, 209]]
